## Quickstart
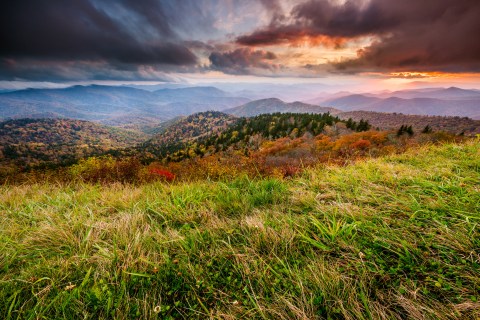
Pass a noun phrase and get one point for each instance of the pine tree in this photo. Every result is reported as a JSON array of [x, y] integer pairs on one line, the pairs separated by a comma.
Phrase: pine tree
[[427, 129], [409, 130]]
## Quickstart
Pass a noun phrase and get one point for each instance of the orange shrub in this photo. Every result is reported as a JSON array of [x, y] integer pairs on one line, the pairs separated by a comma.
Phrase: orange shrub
[[361, 144]]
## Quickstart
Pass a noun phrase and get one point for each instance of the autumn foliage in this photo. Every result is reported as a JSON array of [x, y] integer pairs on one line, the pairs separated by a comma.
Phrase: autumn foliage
[[165, 174], [219, 147]]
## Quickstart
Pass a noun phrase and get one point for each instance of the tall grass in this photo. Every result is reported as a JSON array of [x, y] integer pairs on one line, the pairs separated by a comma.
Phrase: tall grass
[[390, 238]]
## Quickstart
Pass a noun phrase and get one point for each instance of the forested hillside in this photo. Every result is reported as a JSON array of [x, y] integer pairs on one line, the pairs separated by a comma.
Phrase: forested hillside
[[389, 121], [30, 142], [207, 133], [274, 105]]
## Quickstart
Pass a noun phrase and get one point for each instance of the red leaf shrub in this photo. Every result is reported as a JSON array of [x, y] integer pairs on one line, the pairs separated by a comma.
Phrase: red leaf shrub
[[167, 175]]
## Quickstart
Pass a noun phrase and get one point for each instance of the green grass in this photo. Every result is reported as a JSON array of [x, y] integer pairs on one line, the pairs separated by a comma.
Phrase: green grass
[[390, 238]]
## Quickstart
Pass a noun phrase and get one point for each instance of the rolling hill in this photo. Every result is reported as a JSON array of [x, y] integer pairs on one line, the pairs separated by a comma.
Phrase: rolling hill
[[431, 101], [393, 118], [113, 105], [419, 106], [183, 131], [78, 102], [452, 93], [392, 121], [54, 141], [274, 105], [194, 126], [212, 132]]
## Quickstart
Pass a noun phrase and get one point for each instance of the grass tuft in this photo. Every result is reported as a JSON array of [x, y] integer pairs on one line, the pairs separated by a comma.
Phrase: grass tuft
[[389, 238]]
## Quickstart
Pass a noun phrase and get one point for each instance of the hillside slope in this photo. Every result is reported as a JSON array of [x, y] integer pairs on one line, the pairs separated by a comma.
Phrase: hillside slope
[[36, 141], [388, 121], [193, 127], [463, 107], [273, 105], [186, 130], [211, 132], [389, 238]]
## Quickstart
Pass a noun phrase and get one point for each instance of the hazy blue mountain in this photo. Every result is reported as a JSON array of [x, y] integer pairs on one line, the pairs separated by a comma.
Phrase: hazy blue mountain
[[273, 105], [112, 104], [452, 93], [420, 106], [155, 87], [351, 102]]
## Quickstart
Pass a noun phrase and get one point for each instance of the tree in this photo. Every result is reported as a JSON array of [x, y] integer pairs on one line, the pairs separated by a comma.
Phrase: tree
[[409, 130], [427, 129], [363, 125]]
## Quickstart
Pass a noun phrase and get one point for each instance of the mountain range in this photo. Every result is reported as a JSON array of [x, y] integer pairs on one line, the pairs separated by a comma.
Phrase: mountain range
[[382, 120], [433, 102], [273, 105], [146, 106], [114, 105]]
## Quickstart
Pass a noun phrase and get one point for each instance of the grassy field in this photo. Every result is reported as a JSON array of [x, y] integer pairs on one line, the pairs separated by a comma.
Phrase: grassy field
[[390, 238]]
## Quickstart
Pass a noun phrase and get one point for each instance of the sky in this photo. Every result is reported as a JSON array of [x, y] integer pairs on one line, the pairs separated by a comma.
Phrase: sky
[[367, 45]]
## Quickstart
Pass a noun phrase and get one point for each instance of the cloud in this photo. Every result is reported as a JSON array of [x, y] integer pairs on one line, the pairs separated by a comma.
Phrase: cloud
[[243, 61], [61, 32], [410, 35], [56, 29], [274, 7], [80, 70], [409, 75]]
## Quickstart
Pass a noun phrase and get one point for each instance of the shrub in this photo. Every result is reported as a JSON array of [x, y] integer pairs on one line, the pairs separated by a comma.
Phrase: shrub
[[361, 144], [165, 174], [107, 169]]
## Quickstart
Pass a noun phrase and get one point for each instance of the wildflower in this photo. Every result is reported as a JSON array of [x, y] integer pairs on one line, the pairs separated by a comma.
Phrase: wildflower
[[157, 309]]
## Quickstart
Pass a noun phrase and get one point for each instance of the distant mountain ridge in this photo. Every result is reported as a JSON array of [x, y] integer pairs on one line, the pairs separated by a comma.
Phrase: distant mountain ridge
[[273, 105], [114, 104], [452, 93], [391, 119], [435, 102]]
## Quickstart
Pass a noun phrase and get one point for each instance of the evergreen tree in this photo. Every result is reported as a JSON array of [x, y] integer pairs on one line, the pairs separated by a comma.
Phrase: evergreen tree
[[427, 129], [409, 130]]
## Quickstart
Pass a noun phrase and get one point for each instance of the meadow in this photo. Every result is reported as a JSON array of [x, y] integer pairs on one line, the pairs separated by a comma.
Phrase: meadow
[[396, 237]]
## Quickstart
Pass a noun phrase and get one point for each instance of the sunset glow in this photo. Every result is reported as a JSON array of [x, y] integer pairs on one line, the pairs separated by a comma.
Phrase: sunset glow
[[381, 42]]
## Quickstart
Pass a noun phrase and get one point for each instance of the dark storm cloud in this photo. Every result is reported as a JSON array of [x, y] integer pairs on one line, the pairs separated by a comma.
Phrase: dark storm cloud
[[243, 61], [82, 30], [440, 35], [153, 13], [77, 29], [80, 70]]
